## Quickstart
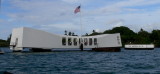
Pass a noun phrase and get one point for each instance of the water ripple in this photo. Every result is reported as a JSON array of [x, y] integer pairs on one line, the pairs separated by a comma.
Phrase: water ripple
[[86, 62]]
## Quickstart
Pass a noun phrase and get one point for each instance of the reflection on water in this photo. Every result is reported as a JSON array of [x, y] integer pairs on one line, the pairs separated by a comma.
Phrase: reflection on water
[[84, 62], [5, 49]]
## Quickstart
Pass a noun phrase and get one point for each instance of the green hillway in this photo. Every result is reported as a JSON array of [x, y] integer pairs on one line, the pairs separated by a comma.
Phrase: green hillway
[[129, 36]]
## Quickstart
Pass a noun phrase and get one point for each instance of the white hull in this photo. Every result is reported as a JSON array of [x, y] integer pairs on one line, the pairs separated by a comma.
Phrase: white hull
[[139, 46]]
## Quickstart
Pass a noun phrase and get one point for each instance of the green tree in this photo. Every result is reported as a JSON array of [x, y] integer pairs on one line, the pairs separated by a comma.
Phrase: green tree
[[9, 38], [73, 34], [86, 34], [127, 35], [143, 37], [65, 32], [93, 31], [5, 43], [70, 33], [155, 37]]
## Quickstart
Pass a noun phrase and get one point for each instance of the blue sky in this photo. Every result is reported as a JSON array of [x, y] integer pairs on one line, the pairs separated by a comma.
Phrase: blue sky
[[55, 16]]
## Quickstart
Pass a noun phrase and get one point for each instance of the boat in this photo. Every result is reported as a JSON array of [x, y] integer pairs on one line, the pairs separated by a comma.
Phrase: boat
[[139, 46], [1, 52], [38, 40]]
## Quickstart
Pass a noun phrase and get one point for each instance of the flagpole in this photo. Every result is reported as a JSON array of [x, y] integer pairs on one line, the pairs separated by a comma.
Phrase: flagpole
[[76, 11], [81, 20], [81, 45]]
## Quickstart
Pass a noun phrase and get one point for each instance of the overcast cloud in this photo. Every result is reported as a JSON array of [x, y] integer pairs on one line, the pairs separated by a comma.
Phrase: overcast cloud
[[56, 16]]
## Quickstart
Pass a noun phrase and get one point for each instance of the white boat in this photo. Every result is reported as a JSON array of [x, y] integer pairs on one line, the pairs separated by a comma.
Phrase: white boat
[[1, 52], [139, 46], [37, 40]]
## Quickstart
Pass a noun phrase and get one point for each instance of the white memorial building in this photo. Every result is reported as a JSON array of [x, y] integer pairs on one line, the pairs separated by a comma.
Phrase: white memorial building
[[29, 38]]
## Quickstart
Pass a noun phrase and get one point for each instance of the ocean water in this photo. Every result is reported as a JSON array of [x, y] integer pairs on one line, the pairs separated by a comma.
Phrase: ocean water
[[82, 62]]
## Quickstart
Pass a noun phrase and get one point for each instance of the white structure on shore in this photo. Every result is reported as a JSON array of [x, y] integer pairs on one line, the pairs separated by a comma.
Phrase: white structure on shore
[[36, 39]]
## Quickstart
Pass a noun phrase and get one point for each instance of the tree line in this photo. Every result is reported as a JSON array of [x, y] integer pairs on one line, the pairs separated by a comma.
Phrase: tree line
[[5, 43], [128, 36]]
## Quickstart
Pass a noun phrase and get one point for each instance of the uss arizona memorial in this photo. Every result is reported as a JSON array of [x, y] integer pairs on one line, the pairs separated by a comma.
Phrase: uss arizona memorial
[[32, 39]]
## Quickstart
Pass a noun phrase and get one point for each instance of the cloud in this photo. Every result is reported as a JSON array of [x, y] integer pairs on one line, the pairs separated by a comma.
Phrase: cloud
[[1, 20], [116, 22], [42, 12], [57, 15], [66, 26], [75, 2], [71, 1], [125, 6]]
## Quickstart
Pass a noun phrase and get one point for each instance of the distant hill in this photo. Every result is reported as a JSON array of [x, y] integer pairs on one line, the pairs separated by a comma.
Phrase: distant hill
[[5, 43], [129, 36]]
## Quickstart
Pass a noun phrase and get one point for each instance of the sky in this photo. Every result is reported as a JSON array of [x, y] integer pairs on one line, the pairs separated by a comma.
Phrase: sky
[[56, 16]]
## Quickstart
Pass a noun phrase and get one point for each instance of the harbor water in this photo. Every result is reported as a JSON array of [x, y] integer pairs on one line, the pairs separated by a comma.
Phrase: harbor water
[[82, 62]]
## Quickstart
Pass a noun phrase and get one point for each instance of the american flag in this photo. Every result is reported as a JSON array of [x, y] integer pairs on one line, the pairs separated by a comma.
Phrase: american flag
[[77, 9]]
